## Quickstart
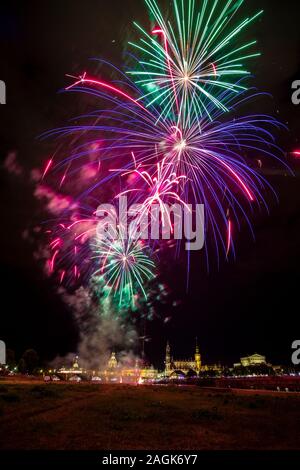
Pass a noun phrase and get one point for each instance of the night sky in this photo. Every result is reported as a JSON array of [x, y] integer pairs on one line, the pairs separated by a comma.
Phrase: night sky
[[250, 305]]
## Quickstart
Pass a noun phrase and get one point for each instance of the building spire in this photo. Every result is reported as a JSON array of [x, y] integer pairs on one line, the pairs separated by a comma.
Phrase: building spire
[[168, 357], [197, 357]]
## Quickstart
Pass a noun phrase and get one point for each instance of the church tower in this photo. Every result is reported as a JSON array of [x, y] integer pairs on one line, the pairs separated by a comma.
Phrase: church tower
[[197, 358], [112, 363], [75, 363], [168, 359]]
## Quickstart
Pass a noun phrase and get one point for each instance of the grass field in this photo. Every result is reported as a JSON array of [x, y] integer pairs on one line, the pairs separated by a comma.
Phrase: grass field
[[86, 416]]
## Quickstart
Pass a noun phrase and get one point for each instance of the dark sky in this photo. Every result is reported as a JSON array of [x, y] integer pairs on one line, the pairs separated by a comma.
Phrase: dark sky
[[247, 306]]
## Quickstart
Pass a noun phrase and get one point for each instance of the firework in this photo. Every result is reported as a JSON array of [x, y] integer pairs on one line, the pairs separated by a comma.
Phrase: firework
[[185, 65], [124, 265], [206, 164], [163, 135], [156, 190], [69, 247]]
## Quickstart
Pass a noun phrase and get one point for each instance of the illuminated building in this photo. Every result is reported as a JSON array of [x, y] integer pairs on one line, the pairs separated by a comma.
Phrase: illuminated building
[[168, 359], [112, 363], [71, 372], [148, 373], [182, 367], [138, 372], [116, 373], [185, 367], [113, 372], [254, 360], [135, 373]]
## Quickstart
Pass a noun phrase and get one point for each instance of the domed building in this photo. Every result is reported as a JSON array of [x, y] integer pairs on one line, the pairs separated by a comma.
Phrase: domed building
[[137, 372], [69, 373]]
